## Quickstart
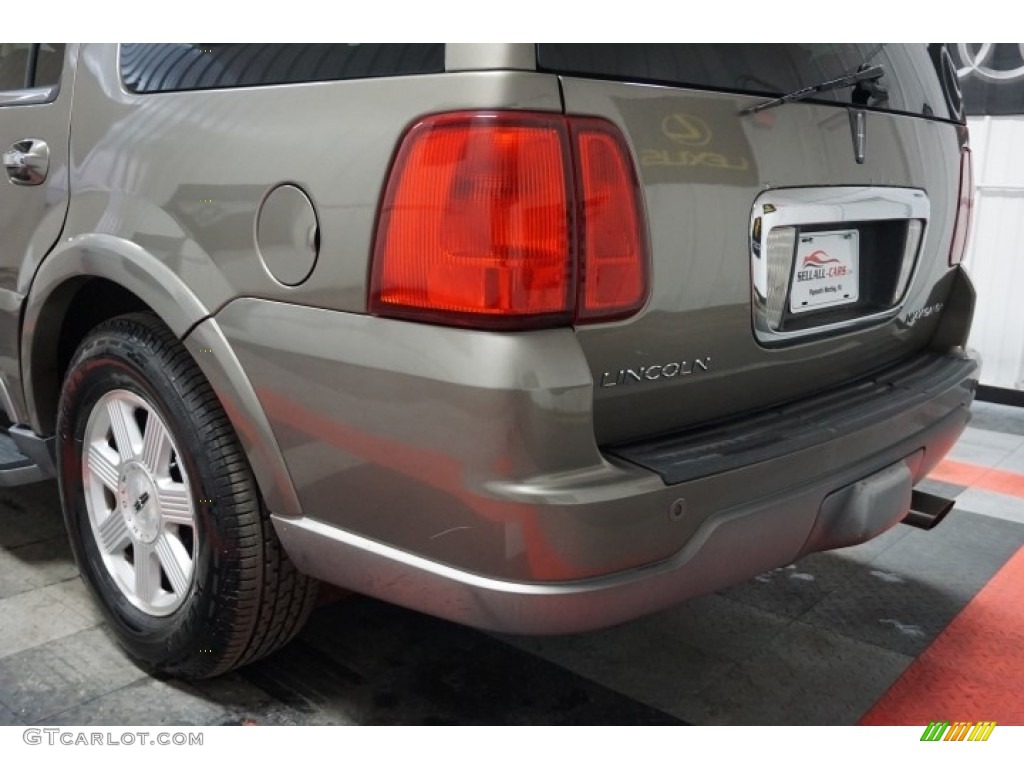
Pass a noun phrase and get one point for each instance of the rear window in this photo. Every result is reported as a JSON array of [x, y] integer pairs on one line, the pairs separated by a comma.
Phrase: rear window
[[161, 67], [911, 83]]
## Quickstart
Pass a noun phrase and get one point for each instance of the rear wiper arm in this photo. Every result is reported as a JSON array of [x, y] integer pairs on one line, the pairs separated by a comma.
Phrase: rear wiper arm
[[863, 74]]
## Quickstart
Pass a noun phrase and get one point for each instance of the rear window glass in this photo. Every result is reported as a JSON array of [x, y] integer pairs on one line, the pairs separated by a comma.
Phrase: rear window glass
[[911, 83], [160, 67]]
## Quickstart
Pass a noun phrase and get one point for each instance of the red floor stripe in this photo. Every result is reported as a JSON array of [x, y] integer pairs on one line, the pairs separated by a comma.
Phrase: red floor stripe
[[974, 670], [984, 478]]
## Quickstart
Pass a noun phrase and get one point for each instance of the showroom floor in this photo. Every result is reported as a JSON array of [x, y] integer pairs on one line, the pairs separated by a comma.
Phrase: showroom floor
[[908, 628]]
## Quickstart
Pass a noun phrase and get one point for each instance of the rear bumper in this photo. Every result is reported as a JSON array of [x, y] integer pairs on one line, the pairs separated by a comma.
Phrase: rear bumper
[[456, 472], [729, 547]]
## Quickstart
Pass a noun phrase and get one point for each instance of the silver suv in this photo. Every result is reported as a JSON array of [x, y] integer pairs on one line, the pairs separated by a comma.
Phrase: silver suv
[[537, 338]]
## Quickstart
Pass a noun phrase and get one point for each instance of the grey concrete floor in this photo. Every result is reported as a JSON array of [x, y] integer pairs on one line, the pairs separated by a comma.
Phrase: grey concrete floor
[[815, 642]]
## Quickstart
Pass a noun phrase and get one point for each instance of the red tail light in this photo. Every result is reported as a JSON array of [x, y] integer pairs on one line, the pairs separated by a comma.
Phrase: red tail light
[[964, 209], [613, 262], [480, 223]]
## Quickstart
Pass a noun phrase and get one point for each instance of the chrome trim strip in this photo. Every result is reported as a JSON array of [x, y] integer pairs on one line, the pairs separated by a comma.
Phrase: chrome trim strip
[[858, 126], [462, 57], [384, 552]]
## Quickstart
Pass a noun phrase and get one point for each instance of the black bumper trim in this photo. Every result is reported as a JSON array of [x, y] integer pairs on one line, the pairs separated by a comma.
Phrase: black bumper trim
[[723, 446]]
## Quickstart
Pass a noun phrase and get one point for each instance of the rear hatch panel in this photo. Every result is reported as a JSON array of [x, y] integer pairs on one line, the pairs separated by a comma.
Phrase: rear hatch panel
[[694, 354]]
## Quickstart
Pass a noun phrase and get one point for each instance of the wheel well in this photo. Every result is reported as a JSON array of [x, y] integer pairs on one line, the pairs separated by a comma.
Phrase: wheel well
[[71, 312]]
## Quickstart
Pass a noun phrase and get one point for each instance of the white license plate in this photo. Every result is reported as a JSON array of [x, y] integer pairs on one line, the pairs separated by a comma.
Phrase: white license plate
[[826, 272]]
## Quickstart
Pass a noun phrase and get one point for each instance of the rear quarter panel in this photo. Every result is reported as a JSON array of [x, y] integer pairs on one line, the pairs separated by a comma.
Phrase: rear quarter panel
[[183, 174]]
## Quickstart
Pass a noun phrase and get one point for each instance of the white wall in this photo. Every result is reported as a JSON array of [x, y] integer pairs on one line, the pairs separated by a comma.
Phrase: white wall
[[995, 256]]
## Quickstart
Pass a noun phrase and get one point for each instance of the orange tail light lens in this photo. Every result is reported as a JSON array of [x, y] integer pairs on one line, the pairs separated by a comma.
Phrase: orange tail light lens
[[478, 225]]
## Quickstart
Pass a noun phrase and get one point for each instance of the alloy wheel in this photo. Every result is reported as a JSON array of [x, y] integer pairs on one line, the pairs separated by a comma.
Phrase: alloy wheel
[[139, 502]]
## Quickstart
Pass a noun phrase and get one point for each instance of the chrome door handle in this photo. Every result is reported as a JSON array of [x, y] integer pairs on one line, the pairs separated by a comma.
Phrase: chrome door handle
[[27, 162]]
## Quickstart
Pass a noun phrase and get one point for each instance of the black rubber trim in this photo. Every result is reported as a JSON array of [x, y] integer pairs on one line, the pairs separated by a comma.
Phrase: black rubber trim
[[723, 446]]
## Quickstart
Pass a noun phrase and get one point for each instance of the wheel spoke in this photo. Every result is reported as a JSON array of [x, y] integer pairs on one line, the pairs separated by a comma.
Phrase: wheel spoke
[[124, 428], [113, 532], [175, 562], [102, 468], [146, 576], [175, 506], [156, 447]]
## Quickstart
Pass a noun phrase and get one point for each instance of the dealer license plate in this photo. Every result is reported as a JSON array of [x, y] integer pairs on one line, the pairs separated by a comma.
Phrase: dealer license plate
[[826, 272]]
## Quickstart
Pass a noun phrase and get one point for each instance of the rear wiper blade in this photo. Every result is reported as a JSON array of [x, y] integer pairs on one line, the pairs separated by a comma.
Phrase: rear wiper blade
[[863, 74]]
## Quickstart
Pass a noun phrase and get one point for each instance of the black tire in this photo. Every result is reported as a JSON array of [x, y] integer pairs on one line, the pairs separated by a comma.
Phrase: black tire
[[245, 598]]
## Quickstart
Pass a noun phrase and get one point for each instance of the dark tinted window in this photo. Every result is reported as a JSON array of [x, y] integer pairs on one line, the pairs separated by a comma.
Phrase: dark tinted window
[[30, 65], [153, 68], [49, 63], [13, 65], [911, 82]]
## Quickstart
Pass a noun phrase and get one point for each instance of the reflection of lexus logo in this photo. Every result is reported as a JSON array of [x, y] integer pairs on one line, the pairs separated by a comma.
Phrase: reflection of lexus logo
[[976, 58], [686, 129]]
